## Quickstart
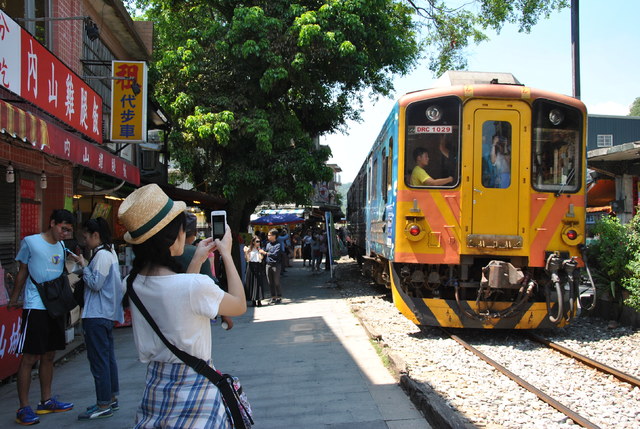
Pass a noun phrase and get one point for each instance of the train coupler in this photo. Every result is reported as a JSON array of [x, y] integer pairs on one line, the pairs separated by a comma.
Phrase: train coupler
[[501, 275]]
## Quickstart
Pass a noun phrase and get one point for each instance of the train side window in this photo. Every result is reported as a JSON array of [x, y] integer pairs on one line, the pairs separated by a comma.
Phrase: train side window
[[556, 150], [432, 143], [374, 180], [496, 154], [389, 170]]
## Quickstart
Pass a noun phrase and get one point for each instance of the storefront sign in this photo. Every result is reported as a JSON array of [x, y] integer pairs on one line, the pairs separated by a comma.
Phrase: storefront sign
[[29, 70], [9, 336], [128, 110], [67, 146]]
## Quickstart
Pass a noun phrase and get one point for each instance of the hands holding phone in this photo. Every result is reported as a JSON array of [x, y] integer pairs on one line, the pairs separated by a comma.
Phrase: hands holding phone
[[210, 245]]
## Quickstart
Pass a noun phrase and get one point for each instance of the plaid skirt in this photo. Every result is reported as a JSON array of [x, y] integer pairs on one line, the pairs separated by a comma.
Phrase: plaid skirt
[[175, 396]]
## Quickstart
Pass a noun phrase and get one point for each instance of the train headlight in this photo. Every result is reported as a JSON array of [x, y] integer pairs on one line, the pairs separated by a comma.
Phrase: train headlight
[[413, 231], [570, 235], [433, 113], [556, 116]]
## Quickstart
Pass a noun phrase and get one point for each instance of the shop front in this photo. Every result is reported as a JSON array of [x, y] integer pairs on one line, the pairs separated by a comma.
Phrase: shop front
[[50, 128]]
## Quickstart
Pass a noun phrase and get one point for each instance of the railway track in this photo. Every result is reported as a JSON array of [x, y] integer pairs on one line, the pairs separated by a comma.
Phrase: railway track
[[573, 415]]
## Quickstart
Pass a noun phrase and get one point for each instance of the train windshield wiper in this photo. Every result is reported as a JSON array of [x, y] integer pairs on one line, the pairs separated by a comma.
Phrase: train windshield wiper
[[569, 178]]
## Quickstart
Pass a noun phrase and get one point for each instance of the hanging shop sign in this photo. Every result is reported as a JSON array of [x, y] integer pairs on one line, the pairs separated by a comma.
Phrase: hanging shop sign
[[31, 71], [129, 107]]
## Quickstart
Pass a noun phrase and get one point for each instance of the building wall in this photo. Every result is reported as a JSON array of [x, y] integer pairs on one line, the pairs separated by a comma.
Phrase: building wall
[[624, 129], [67, 35]]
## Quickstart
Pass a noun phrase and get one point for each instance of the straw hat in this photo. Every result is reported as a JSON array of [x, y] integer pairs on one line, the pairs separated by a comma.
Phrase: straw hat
[[146, 211]]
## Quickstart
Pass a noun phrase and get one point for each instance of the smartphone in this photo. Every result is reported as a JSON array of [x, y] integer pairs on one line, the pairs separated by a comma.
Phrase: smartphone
[[70, 252], [218, 223]]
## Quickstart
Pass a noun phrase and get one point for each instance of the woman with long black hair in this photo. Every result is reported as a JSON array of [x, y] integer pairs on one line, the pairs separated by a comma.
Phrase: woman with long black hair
[[182, 305], [255, 274], [103, 293]]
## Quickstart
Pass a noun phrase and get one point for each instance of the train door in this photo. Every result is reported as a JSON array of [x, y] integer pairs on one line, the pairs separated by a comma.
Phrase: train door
[[496, 169]]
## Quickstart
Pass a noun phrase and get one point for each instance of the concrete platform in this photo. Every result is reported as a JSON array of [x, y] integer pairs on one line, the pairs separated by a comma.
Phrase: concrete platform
[[305, 363]]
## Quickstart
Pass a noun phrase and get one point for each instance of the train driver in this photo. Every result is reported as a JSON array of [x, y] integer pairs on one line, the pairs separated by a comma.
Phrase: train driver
[[419, 175]]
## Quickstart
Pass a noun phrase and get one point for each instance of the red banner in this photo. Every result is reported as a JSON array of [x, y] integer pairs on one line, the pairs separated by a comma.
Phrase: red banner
[[40, 77], [67, 146], [9, 335]]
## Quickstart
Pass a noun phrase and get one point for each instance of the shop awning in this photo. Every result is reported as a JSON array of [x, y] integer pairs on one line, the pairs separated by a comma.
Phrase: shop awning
[[194, 198], [23, 125], [53, 140], [278, 219]]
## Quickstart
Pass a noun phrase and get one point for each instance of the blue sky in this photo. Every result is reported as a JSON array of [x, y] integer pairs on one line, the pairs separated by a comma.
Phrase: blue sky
[[610, 65]]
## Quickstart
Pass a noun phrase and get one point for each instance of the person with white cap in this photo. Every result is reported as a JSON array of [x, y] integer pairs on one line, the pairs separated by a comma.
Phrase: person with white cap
[[182, 305]]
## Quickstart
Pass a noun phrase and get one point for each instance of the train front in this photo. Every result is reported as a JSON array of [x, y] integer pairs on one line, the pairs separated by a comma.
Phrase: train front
[[493, 237]]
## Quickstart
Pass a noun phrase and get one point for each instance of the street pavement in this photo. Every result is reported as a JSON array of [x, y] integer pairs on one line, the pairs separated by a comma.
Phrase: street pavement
[[305, 363]]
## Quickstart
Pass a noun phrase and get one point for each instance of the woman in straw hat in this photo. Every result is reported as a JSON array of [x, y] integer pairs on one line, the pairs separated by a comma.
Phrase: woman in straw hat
[[182, 305]]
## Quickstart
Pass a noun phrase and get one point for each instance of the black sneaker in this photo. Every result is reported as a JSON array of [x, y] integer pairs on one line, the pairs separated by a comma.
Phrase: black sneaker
[[95, 412]]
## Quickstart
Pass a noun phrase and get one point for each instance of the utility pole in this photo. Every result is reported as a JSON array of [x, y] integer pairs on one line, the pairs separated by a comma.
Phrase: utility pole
[[575, 47]]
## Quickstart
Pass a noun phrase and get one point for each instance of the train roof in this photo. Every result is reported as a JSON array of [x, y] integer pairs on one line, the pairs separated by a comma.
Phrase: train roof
[[454, 77]]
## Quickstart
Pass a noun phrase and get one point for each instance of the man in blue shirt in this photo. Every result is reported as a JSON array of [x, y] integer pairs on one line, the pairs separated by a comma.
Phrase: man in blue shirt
[[274, 261], [41, 257]]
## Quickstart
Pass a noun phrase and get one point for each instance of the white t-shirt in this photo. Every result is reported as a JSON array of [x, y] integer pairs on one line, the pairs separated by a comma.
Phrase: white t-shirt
[[255, 256], [182, 306]]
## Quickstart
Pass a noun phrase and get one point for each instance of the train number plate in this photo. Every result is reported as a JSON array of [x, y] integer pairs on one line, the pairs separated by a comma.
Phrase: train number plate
[[431, 129]]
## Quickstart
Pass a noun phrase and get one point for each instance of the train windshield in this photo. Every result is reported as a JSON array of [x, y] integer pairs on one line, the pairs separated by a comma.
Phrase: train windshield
[[432, 144], [556, 148]]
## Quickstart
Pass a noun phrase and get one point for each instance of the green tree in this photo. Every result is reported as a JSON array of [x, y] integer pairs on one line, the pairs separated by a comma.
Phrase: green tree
[[616, 259], [250, 86], [449, 27], [635, 108]]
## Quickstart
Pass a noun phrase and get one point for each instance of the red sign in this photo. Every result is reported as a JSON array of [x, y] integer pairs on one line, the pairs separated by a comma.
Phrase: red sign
[[67, 146], [9, 336], [41, 78]]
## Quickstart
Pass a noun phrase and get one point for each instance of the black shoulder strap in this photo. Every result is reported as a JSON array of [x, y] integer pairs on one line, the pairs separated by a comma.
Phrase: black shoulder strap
[[199, 365], [64, 266]]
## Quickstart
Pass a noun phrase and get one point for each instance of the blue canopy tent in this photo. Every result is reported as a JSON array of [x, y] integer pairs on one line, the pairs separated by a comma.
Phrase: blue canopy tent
[[278, 219]]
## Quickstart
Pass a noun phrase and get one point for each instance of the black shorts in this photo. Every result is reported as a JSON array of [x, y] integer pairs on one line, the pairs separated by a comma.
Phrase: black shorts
[[40, 333]]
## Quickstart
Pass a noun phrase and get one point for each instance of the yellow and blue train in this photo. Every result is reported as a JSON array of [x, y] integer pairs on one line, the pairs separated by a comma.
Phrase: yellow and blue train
[[470, 205]]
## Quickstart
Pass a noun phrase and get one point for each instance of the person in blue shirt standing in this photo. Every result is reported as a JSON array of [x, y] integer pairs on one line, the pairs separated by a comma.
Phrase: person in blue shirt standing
[[274, 261], [41, 257], [103, 294]]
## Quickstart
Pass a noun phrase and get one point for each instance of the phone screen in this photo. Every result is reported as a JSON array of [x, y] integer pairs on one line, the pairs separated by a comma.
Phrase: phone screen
[[218, 222]]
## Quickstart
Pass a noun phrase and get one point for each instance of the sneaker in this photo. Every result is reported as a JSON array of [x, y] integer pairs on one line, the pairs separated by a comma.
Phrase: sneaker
[[25, 416], [52, 405], [114, 406], [95, 412]]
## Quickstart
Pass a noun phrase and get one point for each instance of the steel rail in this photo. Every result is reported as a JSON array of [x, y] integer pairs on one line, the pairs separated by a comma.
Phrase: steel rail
[[577, 418], [585, 360]]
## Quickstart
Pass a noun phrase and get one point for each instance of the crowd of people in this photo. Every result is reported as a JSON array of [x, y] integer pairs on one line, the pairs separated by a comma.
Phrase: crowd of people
[[179, 287]]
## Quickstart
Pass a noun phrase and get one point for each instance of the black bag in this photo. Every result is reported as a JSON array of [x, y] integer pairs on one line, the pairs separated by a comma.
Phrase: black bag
[[232, 394], [56, 295], [78, 292]]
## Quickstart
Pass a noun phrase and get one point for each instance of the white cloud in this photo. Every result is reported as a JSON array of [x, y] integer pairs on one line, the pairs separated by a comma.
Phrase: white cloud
[[608, 108]]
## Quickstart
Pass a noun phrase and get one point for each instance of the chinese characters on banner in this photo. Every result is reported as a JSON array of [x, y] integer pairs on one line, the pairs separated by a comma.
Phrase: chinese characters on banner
[[128, 110], [29, 70], [68, 146], [10, 321]]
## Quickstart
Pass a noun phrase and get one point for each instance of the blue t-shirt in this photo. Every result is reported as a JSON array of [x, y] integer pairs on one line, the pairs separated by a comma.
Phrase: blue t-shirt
[[45, 261]]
